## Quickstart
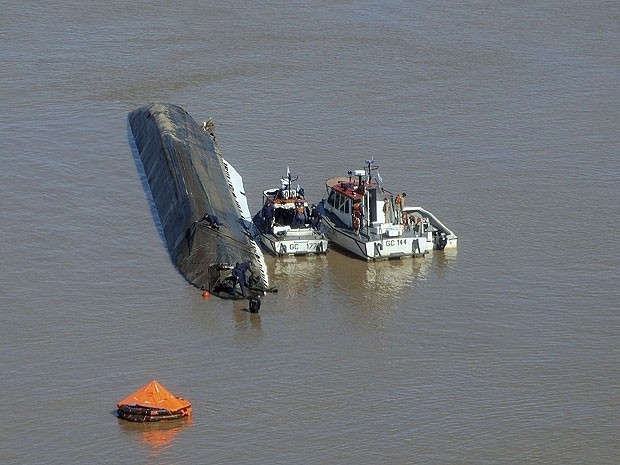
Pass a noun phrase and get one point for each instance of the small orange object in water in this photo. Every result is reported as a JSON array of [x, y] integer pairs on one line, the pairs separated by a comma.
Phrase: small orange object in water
[[205, 294]]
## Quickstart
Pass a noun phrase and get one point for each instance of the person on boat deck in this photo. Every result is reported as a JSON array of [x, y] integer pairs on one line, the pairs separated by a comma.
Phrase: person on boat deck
[[418, 225], [268, 214], [406, 223], [399, 204], [212, 221], [239, 276], [315, 217], [358, 213], [300, 214], [387, 210]]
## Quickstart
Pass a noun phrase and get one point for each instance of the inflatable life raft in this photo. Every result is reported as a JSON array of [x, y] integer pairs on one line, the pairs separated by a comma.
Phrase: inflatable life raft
[[153, 402]]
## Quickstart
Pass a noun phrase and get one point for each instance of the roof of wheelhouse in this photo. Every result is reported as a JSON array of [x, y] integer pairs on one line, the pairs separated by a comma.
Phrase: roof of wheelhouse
[[349, 186]]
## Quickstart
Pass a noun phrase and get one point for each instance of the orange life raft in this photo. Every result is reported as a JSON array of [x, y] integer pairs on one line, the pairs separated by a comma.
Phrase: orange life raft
[[153, 403]]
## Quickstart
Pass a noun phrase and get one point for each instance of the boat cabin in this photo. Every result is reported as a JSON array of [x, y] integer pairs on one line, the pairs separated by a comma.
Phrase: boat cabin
[[289, 205], [362, 205]]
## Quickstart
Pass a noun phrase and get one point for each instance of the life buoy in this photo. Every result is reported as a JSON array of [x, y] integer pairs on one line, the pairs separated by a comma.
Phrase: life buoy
[[356, 224]]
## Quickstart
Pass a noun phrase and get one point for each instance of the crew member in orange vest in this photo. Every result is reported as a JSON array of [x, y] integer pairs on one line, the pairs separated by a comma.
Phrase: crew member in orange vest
[[300, 214], [358, 215]]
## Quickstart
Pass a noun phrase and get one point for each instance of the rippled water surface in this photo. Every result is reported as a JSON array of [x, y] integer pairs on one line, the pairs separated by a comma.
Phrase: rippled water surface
[[502, 118]]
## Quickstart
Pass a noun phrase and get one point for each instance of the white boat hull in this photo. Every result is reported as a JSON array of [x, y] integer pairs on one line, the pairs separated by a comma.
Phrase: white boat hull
[[378, 247], [295, 242]]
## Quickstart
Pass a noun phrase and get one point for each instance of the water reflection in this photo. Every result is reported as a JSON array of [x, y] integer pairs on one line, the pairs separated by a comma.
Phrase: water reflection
[[376, 282], [297, 276], [444, 259], [156, 436], [243, 318]]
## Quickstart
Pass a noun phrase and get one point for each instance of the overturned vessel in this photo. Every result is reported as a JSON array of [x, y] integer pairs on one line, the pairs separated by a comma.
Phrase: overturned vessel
[[188, 178]]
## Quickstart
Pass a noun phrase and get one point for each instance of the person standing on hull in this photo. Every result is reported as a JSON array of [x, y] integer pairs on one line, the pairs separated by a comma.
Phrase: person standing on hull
[[268, 214], [239, 276]]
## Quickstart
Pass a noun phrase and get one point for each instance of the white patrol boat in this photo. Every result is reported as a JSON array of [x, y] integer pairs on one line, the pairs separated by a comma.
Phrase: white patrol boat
[[286, 225], [362, 217]]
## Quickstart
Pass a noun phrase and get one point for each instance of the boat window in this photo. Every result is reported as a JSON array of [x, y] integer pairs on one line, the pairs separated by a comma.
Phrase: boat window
[[331, 199], [342, 203], [338, 202]]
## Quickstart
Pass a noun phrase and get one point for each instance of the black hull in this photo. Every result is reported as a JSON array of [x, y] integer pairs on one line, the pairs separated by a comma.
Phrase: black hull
[[188, 177], [149, 414]]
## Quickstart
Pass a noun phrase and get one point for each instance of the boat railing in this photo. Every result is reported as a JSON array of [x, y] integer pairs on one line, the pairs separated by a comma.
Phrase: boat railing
[[433, 219]]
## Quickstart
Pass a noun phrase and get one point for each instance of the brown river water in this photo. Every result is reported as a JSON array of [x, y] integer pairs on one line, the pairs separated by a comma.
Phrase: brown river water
[[501, 118]]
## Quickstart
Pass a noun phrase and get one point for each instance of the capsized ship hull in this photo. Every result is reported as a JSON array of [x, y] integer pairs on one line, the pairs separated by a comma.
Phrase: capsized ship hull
[[188, 177]]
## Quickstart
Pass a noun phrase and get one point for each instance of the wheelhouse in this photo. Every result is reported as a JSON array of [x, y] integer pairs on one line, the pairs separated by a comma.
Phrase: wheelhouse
[[356, 196]]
